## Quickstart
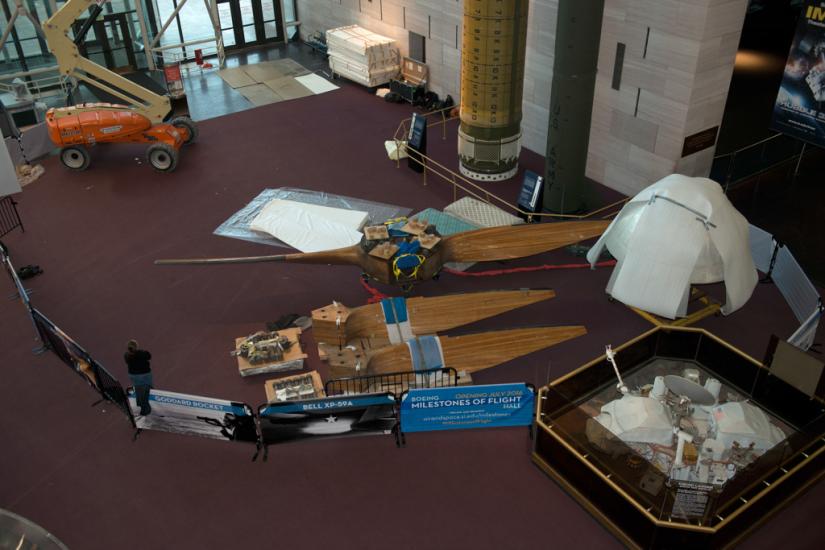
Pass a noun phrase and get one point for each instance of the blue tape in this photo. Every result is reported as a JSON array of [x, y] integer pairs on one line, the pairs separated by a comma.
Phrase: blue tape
[[399, 315], [426, 353]]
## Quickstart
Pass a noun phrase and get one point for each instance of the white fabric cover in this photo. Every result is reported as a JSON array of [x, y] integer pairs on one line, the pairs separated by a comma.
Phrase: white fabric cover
[[310, 227], [677, 232], [637, 419]]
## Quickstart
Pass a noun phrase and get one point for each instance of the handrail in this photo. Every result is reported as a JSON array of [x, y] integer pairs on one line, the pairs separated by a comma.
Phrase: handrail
[[471, 188], [746, 147]]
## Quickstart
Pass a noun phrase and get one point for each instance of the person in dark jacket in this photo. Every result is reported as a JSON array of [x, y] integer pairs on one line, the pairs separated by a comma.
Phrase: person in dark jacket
[[137, 360]]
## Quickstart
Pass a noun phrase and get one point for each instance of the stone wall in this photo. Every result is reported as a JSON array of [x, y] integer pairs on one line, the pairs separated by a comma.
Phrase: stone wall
[[678, 62], [677, 67]]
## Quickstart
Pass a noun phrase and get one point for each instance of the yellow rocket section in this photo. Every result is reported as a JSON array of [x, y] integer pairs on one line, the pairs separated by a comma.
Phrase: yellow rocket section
[[492, 80]]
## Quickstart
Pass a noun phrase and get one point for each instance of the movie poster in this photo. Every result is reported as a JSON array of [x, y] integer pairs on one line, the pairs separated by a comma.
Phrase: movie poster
[[65, 348], [195, 415], [328, 417], [799, 110]]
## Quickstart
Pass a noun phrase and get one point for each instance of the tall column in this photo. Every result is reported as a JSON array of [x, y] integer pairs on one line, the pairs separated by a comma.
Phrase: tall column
[[578, 32], [492, 80]]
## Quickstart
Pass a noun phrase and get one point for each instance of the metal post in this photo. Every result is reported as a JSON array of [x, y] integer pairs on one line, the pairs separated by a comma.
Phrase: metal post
[[799, 160], [174, 14], [144, 35], [283, 22]]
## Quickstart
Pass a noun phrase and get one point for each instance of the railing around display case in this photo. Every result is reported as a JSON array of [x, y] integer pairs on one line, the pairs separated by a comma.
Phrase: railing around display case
[[396, 382]]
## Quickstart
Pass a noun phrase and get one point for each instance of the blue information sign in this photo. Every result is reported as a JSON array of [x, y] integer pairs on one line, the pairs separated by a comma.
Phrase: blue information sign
[[461, 407]]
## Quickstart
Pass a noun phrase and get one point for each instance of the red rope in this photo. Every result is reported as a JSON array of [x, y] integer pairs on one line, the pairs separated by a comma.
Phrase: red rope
[[375, 294], [494, 272]]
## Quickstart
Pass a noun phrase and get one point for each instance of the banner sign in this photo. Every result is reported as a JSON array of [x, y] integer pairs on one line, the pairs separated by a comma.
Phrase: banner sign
[[195, 415], [340, 416], [461, 407], [800, 104]]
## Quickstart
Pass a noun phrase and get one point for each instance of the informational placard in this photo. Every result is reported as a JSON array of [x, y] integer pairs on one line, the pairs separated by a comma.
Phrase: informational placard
[[417, 143], [340, 416], [196, 415], [462, 407], [799, 110], [529, 199], [700, 141], [691, 499]]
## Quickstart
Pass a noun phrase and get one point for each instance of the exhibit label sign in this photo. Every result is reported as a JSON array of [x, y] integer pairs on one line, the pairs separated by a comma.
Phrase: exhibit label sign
[[800, 104], [196, 415], [328, 417], [461, 407]]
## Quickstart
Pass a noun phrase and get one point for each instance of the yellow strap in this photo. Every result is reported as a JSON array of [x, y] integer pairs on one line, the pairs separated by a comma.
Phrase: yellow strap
[[395, 220], [411, 275]]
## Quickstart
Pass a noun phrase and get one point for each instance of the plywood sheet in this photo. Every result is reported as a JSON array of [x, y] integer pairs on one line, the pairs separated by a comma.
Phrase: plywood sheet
[[288, 88], [259, 94], [236, 77]]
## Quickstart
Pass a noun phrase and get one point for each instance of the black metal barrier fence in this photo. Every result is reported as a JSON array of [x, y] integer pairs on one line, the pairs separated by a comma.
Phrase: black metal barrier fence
[[395, 382], [74, 356], [9, 217]]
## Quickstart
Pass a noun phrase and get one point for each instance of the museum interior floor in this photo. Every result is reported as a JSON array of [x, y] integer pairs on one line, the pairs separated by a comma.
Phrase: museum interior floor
[[75, 470]]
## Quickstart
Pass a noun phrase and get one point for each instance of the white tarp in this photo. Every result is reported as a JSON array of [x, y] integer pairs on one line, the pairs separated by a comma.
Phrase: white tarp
[[310, 227], [677, 232]]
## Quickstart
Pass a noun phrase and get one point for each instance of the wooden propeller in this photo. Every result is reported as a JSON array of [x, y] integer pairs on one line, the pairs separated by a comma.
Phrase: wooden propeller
[[490, 244], [336, 325], [470, 353]]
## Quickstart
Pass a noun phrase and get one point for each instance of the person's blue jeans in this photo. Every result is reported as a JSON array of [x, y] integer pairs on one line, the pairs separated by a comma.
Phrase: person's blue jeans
[[142, 384]]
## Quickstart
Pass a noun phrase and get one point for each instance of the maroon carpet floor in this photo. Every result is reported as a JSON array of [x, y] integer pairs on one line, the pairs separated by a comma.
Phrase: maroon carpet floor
[[75, 470]]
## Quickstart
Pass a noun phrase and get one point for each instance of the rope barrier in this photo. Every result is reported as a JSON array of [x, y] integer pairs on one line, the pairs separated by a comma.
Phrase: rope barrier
[[375, 295]]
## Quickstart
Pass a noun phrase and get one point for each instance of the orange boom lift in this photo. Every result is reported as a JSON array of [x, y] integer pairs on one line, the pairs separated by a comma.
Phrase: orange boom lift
[[141, 120]]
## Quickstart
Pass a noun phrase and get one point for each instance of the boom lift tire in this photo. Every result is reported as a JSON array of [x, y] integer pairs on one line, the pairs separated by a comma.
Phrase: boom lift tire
[[187, 124], [162, 157], [75, 157]]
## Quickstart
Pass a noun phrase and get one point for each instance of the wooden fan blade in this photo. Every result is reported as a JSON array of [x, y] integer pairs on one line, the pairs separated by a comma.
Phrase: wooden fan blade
[[506, 243], [475, 352], [431, 315], [426, 315], [346, 256]]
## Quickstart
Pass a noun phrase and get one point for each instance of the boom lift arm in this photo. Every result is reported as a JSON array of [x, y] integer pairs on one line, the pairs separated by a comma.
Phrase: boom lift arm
[[72, 64]]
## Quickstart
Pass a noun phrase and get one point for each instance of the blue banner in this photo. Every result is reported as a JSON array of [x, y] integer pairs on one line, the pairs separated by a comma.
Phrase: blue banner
[[461, 407]]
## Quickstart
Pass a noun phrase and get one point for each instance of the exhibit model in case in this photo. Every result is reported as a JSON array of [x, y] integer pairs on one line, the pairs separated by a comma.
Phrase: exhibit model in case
[[77, 127], [676, 438], [410, 251]]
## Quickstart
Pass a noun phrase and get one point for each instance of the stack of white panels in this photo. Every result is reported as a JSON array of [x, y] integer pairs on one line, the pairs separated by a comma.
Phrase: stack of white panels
[[362, 56]]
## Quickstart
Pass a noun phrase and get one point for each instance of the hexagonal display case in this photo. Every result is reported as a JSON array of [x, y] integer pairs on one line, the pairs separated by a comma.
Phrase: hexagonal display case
[[693, 442]]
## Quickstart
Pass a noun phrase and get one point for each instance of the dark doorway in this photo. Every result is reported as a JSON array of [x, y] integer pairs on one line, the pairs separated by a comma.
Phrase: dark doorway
[[417, 47], [247, 23], [109, 43]]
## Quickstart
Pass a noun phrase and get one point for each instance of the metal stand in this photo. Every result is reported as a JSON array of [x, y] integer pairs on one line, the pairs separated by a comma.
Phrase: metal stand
[[711, 307]]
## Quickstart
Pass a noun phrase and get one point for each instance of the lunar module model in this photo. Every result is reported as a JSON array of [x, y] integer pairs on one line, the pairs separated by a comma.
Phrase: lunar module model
[[686, 427]]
